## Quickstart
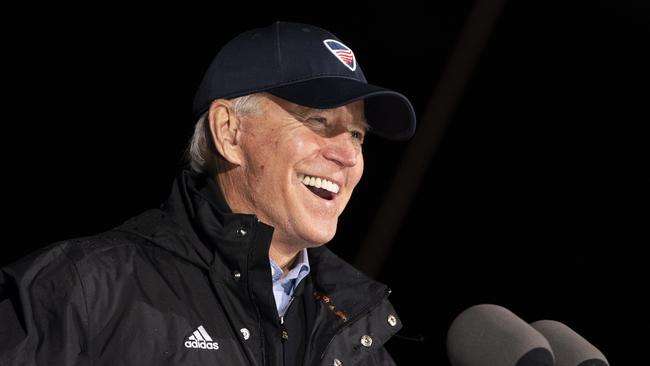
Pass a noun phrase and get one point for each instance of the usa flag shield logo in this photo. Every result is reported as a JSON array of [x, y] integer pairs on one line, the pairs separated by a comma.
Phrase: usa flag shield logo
[[342, 52]]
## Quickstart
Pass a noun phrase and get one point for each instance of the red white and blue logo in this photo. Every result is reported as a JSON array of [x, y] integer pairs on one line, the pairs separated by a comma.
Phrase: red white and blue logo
[[342, 52]]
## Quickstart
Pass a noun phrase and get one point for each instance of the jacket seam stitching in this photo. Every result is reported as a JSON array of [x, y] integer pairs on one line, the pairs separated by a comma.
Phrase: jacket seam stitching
[[85, 299]]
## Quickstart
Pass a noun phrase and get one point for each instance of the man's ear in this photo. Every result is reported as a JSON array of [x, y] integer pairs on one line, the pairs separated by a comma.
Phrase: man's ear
[[225, 130]]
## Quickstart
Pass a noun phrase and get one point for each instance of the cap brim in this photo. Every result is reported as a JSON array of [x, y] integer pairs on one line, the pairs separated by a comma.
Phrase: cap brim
[[389, 113]]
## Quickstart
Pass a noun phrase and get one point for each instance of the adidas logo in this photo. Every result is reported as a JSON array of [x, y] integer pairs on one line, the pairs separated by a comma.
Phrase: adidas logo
[[201, 339]]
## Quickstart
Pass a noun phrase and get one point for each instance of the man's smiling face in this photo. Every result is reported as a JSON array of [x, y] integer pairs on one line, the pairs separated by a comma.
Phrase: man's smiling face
[[300, 166]]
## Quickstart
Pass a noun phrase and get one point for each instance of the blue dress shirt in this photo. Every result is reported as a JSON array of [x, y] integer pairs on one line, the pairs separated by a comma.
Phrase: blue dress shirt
[[284, 287]]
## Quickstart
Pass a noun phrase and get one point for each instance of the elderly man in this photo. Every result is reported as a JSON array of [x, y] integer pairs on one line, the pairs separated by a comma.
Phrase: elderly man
[[231, 269]]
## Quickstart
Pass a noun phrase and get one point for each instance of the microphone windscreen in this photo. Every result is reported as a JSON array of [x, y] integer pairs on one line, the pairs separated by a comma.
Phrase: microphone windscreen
[[491, 335], [569, 348]]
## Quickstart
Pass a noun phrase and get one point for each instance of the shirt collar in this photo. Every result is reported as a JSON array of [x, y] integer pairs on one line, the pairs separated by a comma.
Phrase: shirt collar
[[299, 271]]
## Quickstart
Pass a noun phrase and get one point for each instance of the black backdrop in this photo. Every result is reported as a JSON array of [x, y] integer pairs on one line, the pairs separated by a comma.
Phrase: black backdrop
[[537, 198]]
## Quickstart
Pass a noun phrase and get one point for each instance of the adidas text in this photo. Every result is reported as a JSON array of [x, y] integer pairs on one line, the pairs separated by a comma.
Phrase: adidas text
[[202, 344]]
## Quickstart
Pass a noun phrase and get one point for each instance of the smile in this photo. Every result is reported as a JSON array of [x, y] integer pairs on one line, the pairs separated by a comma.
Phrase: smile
[[321, 187]]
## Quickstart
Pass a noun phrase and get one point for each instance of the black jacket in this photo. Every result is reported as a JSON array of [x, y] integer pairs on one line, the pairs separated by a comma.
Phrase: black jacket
[[186, 284]]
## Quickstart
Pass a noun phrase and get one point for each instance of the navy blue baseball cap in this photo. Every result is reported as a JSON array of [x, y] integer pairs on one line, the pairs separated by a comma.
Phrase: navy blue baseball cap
[[305, 65]]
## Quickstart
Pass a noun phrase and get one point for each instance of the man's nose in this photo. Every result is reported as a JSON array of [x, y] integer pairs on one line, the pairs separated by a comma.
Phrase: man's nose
[[342, 150]]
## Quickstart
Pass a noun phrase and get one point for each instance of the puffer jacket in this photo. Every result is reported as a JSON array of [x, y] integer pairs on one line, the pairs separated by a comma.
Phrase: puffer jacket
[[187, 283]]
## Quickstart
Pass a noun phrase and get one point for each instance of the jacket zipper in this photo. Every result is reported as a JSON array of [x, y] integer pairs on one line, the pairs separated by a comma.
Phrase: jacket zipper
[[284, 335]]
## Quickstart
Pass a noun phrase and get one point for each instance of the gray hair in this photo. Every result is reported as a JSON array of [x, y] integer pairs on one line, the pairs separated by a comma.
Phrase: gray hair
[[201, 153]]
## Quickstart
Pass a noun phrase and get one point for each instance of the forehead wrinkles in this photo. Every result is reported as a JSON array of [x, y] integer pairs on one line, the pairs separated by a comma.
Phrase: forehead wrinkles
[[303, 111]]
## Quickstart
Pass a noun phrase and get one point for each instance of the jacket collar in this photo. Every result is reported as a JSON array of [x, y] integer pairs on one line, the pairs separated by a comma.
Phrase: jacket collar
[[197, 204]]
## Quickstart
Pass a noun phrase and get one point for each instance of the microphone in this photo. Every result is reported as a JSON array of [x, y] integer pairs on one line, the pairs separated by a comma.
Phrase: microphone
[[491, 335], [569, 348]]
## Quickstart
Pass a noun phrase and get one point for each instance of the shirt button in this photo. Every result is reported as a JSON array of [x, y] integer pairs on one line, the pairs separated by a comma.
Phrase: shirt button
[[392, 320], [337, 362], [366, 341], [236, 275]]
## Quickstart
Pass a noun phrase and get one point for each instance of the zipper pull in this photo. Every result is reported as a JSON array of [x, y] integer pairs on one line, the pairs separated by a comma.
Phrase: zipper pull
[[285, 334]]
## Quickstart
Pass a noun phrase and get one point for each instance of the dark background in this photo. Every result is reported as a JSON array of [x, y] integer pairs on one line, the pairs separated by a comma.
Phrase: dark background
[[536, 199]]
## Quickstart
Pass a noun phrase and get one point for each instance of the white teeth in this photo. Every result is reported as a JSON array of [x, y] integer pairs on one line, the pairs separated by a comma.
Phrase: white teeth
[[319, 183]]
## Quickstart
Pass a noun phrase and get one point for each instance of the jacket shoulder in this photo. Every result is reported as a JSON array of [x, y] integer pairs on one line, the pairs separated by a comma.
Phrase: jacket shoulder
[[45, 296], [70, 261], [64, 254]]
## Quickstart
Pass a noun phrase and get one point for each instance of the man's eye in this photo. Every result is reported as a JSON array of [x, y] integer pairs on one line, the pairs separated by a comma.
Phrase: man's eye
[[357, 135]]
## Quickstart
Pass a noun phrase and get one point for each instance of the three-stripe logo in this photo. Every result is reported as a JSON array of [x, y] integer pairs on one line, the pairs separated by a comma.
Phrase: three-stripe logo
[[201, 339]]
